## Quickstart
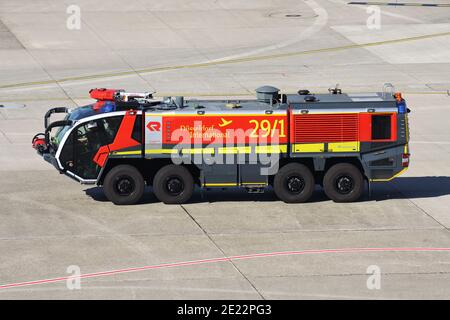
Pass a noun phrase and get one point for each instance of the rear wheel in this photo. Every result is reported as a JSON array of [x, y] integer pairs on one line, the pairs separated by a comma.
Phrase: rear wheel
[[294, 183], [173, 184], [124, 184], [343, 182]]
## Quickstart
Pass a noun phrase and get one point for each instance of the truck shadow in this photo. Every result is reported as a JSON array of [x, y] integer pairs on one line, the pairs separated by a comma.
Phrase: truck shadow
[[400, 188], [411, 188]]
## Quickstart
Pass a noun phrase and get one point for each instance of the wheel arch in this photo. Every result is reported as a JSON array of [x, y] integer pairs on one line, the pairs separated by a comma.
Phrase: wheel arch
[[308, 162], [329, 162]]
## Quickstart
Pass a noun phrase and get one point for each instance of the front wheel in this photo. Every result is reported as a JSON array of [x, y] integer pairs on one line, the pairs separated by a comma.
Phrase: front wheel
[[343, 182], [124, 184], [173, 184], [294, 183]]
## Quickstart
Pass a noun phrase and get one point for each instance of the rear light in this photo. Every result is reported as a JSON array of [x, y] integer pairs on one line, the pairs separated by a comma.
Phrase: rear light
[[405, 159]]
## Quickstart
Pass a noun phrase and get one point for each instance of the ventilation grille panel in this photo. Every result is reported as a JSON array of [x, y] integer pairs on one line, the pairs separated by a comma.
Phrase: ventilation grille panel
[[325, 127]]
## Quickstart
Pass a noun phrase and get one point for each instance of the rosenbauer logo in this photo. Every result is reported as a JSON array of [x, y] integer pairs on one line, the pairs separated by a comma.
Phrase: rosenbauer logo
[[154, 126]]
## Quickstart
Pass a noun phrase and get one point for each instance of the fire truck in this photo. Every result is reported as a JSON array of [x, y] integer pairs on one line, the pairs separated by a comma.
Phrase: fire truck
[[289, 142]]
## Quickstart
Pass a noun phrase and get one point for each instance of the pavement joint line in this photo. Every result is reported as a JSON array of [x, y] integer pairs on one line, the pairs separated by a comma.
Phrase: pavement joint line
[[6, 137], [101, 284], [55, 237], [225, 259], [420, 208], [40, 64], [225, 62], [131, 243], [117, 54], [399, 4], [223, 253], [318, 275], [428, 214]]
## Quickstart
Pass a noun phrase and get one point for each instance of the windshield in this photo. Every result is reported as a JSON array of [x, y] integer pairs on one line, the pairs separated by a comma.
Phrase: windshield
[[80, 113]]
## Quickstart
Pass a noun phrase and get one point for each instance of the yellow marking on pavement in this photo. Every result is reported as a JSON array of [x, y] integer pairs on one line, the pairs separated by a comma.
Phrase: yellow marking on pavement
[[196, 94], [224, 62]]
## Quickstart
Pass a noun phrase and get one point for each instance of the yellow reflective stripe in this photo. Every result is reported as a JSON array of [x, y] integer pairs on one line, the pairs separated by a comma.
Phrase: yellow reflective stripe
[[198, 150], [157, 151], [224, 184], [174, 151], [352, 146], [233, 150], [254, 183], [308, 147], [394, 176], [282, 148], [121, 153], [407, 128], [211, 150]]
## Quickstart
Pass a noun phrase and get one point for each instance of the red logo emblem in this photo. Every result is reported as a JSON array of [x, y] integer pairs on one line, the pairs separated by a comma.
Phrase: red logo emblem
[[154, 126]]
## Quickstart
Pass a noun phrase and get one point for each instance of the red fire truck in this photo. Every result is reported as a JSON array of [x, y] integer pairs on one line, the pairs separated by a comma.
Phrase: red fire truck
[[290, 142]]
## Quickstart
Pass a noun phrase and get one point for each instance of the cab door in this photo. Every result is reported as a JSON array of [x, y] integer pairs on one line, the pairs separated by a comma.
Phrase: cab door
[[83, 143]]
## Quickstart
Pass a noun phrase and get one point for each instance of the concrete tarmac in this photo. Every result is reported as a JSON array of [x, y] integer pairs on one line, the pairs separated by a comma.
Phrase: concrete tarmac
[[222, 49]]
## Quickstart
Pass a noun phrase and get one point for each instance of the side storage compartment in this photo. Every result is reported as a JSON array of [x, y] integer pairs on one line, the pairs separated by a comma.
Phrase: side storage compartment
[[219, 175]]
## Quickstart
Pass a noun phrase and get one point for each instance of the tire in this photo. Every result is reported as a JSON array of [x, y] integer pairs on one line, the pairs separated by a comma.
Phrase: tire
[[294, 183], [343, 182], [123, 185], [173, 184]]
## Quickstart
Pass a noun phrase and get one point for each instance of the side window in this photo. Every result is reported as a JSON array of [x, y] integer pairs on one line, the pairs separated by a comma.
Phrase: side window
[[381, 127], [111, 126], [137, 130]]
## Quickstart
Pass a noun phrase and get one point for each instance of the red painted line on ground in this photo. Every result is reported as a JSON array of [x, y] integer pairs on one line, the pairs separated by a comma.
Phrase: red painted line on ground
[[214, 260]]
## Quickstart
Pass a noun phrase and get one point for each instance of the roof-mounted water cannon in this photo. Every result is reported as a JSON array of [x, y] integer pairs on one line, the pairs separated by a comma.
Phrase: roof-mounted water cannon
[[135, 96], [117, 99], [103, 94]]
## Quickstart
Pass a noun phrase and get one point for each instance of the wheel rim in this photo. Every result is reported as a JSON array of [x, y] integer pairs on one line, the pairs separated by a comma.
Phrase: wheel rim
[[124, 185], [344, 184], [174, 185], [295, 184]]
